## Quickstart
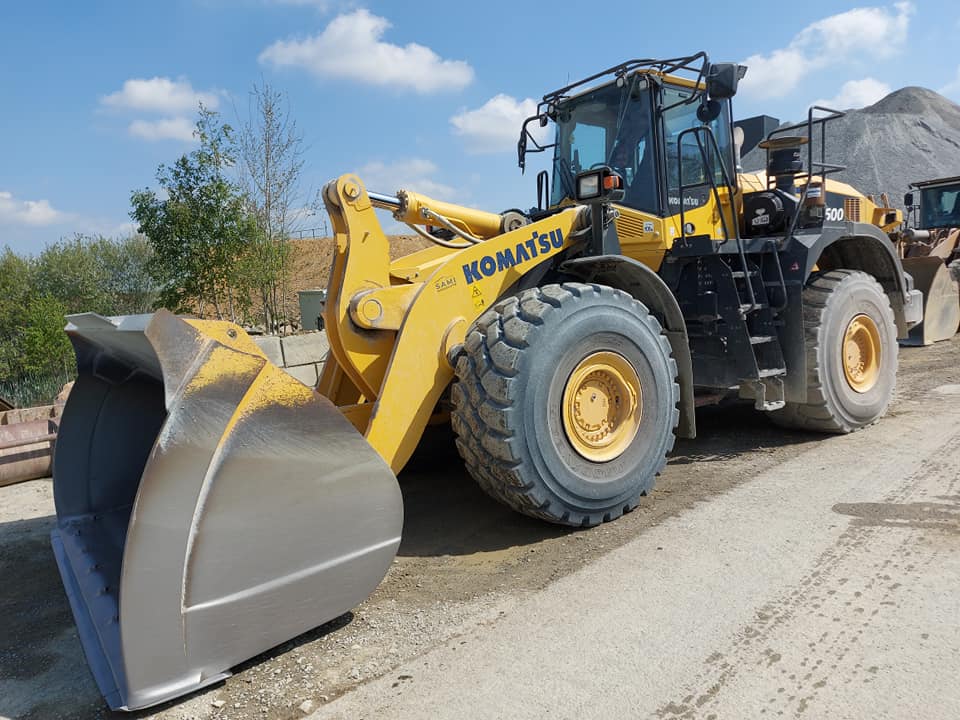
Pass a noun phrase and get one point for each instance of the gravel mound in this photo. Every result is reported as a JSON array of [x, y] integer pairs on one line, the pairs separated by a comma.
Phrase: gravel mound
[[912, 134]]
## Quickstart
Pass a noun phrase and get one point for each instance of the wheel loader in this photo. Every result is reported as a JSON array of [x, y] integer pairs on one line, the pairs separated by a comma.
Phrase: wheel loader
[[929, 248], [210, 506]]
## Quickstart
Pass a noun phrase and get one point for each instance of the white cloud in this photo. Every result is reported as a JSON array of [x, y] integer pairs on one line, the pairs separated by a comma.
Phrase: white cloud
[[124, 229], [416, 174], [774, 75], [495, 125], [175, 128], [350, 47], [857, 94], [952, 88], [28, 212], [159, 95], [862, 33]]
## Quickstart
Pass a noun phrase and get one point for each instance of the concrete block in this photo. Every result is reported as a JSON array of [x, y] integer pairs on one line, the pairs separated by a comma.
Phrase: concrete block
[[307, 374], [307, 348], [270, 344]]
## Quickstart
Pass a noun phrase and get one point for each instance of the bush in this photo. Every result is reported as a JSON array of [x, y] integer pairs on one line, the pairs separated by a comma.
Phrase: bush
[[84, 274]]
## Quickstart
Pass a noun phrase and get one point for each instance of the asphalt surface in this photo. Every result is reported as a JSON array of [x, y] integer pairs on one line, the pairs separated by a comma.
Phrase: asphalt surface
[[770, 573]]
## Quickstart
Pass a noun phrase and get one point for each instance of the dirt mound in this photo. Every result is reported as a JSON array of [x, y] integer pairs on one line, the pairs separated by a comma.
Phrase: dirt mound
[[312, 260], [911, 134]]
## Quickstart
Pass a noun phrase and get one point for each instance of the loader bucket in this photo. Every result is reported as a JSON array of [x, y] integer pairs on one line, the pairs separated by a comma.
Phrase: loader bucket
[[209, 506], [941, 300]]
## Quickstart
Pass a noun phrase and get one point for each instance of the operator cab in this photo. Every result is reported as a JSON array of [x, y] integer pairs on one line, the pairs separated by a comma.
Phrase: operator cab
[[939, 205], [639, 125]]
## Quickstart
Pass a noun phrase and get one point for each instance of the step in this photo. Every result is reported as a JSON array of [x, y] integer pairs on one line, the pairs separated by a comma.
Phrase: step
[[747, 307], [760, 339], [740, 274], [771, 372]]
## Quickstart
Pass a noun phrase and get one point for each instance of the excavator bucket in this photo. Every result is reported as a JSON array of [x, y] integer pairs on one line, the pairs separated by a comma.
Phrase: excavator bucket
[[941, 300], [209, 506]]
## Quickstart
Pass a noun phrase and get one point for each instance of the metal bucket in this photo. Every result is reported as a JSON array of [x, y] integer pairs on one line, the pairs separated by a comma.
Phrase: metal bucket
[[941, 300], [209, 506]]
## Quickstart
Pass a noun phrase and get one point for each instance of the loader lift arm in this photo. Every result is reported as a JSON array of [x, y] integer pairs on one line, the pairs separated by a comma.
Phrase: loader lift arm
[[393, 330]]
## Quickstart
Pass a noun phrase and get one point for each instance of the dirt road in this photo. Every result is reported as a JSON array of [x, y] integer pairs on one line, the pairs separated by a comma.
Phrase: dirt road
[[769, 571]]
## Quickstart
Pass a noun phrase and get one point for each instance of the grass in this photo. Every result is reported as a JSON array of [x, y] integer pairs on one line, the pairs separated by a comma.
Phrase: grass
[[31, 390]]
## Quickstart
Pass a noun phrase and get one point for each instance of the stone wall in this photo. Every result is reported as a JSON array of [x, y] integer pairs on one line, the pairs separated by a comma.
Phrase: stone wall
[[302, 355]]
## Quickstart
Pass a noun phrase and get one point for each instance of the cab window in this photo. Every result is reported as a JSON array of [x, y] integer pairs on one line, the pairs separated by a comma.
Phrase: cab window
[[609, 126], [676, 119]]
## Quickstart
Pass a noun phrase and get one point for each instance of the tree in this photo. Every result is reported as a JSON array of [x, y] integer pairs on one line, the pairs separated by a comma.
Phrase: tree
[[15, 282], [125, 265], [200, 229], [271, 150], [45, 348], [68, 270], [82, 274]]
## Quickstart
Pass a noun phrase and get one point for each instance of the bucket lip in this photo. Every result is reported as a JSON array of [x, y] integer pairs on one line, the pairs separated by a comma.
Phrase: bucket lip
[[105, 675], [95, 321]]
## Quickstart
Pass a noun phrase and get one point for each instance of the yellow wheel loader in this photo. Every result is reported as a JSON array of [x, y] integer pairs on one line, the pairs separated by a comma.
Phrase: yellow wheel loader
[[210, 506]]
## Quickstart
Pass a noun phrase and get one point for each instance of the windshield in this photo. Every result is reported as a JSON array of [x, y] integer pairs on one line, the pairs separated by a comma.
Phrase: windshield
[[940, 207], [607, 127]]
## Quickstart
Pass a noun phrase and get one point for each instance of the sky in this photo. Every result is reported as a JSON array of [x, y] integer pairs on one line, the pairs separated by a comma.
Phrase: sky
[[424, 95]]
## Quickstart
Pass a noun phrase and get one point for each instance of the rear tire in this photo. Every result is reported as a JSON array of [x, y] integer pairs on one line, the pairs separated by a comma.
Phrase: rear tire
[[851, 354], [527, 431]]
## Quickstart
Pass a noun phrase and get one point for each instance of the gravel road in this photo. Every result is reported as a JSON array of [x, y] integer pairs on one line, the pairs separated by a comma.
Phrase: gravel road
[[770, 573]]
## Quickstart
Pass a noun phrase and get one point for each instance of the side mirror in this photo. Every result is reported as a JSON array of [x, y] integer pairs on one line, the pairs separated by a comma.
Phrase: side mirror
[[908, 200], [544, 120], [522, 149], [723, 78], [709, 110]]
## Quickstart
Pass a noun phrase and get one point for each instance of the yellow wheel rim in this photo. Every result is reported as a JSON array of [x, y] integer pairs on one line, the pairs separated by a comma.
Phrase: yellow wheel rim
[[861, 353], [602, 406]]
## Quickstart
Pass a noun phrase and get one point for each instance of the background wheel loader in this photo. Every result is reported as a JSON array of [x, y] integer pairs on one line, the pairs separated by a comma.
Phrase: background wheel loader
[[929, 247], [210, 507]]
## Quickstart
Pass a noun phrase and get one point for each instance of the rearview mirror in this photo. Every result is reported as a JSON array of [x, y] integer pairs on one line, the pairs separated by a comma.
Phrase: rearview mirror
[[908, 200], [722, 80], [709, 111]]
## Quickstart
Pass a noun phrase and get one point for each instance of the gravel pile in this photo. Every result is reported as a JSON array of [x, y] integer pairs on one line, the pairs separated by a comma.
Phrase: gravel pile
[[912, 134]]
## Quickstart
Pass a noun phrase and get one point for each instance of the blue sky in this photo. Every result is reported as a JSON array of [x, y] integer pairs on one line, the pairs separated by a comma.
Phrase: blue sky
[[426, 95]]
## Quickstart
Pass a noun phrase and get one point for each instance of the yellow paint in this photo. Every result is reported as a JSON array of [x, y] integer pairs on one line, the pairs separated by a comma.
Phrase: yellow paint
[[602, 406], [475, 222], [861, 353], [228, 334], [385, 309]]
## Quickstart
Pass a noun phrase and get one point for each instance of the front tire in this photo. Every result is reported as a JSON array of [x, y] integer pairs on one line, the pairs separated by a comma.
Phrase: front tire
[[565, 403], [851, 354]]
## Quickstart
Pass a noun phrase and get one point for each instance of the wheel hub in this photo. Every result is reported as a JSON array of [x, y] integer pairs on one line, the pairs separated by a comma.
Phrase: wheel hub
[[861, 353], [602, 406]]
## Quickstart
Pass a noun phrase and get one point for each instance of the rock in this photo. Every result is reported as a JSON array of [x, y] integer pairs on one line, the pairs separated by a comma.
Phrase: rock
[[912, 134], [306, 707], [218, 703]]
